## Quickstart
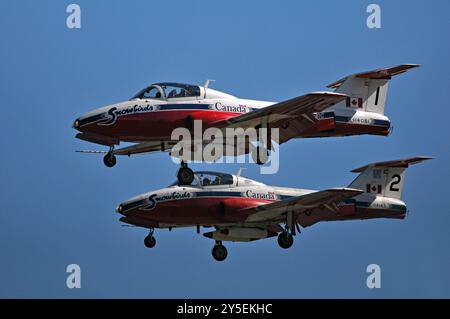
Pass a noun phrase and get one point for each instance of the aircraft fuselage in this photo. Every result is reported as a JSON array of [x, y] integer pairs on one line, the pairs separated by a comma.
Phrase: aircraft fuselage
[[189, 206], [154, 120]]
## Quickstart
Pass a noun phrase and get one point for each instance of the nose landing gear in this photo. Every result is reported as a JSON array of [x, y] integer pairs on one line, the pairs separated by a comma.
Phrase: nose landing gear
[[150, 241], [110, 159], [185, 175], [219, 251]]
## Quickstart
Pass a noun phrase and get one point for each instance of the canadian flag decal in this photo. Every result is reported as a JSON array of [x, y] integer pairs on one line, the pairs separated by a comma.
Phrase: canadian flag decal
[[354, 102], [372, 188]]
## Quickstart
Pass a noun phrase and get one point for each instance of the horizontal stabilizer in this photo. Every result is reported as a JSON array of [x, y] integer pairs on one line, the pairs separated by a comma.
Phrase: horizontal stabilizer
[[384, 73], [396, 163]]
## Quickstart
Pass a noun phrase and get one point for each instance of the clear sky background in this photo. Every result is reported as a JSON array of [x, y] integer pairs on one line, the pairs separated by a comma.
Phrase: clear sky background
[[57, 206]]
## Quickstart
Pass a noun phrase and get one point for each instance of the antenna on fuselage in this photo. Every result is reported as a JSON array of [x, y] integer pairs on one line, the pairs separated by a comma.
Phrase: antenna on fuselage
[[238, 174], [207, 83]]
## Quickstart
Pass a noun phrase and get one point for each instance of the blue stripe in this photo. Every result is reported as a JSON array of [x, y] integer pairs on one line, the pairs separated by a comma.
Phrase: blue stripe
[[132, 205], [184, 107], [327, 114], [218, 194], [339, 118], [90, 119], [166, 107], [382, 123]]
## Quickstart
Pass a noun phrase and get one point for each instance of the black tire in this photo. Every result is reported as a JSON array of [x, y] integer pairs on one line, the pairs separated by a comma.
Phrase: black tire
[[110, 160], [185, 176], [285, 240], [149, 241], [219, 252]]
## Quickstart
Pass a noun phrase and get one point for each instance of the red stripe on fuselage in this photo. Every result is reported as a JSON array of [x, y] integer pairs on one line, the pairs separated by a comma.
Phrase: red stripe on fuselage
[[159, 125], [156, 126], [198, 210]]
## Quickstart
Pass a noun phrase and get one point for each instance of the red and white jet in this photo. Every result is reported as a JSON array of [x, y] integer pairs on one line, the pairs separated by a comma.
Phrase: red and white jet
[[243, 210], [149, 118]]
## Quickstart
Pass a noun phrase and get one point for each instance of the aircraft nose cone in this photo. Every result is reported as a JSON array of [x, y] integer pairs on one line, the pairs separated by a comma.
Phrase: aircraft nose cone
[[76, 124], [130, 206], [125, 208], [120, 209]]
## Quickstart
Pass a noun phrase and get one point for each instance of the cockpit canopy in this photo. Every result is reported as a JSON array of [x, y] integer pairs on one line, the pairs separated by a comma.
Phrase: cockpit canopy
[[214, 179], [168, 90], [207, 178]]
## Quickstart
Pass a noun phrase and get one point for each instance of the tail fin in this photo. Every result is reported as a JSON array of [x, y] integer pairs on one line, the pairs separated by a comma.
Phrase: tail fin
[[384, 178], [367, 91]]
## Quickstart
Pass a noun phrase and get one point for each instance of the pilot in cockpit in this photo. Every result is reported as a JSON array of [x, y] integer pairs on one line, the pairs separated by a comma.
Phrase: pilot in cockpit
[[206, 181], [173, 93], [217, 181]]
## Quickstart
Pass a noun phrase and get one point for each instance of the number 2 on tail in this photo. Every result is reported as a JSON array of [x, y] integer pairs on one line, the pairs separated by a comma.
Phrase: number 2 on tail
[[395, 181]]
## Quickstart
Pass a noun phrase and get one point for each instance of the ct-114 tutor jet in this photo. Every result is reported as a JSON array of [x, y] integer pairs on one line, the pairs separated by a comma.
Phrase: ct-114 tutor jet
[[149, 118], [243, 210]]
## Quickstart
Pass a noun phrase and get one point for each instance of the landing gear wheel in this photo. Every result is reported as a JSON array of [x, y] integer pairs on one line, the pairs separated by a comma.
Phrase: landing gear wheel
[[149, 241], [260, 159], [219, 252], [285, 240], [185, 176], [110, 159]]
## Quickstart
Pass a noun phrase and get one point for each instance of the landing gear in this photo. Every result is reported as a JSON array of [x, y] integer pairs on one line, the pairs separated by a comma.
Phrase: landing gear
[[219, 251], [185, 175], [150, 241], [285, 240], [110, 159], [260, 155]]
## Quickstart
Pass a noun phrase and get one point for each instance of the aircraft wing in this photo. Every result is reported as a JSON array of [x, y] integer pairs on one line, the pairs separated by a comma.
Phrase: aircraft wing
[[147, 147], [280, 114], [139, 148], [298, 204]]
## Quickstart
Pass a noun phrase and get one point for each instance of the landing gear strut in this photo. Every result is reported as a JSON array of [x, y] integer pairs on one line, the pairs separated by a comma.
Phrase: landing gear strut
[[185, 175], [285, 239], [219, 251], [150, 241], [110, 159]]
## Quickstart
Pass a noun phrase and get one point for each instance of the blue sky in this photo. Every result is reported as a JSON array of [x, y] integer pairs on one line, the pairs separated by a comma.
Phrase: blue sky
[[58, 205]]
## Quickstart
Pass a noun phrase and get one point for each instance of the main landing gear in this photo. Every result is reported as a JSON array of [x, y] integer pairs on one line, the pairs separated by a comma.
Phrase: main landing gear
[[110, 159], [285, 239], [219, 251], [150, 241], [185, 175]]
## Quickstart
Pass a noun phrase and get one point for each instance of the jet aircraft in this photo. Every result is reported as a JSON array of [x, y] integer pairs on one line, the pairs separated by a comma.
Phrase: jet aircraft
[[241, 210], [148, 119]]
